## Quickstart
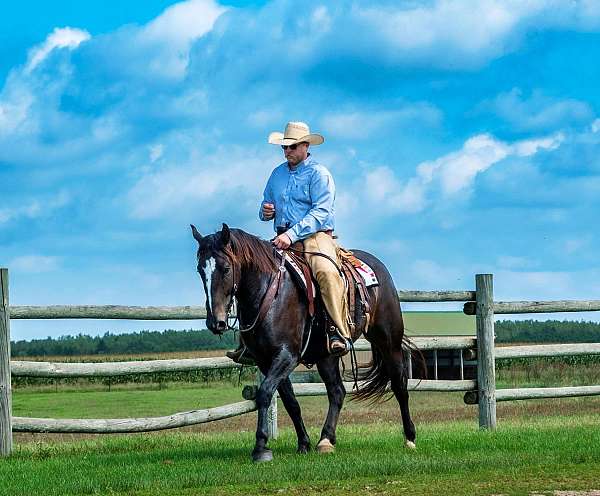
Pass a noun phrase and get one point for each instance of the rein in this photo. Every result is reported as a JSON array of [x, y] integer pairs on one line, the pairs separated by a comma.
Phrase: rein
[[265, 303]]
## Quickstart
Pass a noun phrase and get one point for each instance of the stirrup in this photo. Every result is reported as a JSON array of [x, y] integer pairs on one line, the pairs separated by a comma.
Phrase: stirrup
[[338, 346]]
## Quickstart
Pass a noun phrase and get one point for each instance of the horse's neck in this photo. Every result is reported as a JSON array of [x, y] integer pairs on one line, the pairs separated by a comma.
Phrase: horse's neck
[[252, 286]]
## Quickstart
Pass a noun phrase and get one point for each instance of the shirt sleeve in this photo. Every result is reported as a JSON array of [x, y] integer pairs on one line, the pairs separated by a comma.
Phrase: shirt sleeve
[[322, 194], [267, 197]]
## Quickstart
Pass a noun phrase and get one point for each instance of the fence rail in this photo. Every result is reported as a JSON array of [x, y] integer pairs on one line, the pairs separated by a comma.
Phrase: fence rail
[[182, 313], [483, 390], [514, 307], [110, 426]]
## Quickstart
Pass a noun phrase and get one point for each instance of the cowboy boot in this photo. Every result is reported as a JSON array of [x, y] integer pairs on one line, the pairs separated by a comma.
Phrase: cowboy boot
[[338, 345], [241, 355]]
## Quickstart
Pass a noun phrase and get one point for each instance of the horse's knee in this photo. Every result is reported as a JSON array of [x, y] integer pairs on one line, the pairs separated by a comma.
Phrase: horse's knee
[[263, 398]]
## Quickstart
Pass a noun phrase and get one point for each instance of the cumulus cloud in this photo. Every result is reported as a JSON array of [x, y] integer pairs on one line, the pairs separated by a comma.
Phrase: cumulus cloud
[[168, 37], [66, 37], [202, 186], [451, 174], [538, 112], [454, 33]]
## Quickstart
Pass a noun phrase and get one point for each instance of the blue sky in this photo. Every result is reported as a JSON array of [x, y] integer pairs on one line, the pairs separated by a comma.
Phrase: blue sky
[[463, 138]]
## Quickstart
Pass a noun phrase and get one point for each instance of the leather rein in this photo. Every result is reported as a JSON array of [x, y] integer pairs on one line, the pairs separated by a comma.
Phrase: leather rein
[[265, 303], [268, 297]]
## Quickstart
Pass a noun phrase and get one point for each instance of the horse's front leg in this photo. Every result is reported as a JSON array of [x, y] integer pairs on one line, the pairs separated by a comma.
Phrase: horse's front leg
[[281, 367], [336, 392], [286, 392]]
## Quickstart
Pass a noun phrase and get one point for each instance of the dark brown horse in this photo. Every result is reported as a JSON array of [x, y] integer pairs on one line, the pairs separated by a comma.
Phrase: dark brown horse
[[235, 265]]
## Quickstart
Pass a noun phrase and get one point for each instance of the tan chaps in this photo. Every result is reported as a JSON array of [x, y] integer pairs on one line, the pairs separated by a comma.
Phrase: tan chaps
[[330, 282]]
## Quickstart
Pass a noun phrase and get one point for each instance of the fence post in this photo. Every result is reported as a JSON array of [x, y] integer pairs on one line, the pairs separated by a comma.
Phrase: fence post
[[5, 389], [486, 371], [272, 430]]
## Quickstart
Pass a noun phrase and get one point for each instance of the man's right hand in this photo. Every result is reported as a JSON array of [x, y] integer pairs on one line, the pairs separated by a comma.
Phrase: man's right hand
[[268, 211]]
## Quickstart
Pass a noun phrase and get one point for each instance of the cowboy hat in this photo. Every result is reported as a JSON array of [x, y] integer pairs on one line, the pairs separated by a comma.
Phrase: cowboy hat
[[295, 132]]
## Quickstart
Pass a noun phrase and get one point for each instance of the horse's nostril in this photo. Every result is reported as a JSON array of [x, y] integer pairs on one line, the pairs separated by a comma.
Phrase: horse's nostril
[[221, 325]]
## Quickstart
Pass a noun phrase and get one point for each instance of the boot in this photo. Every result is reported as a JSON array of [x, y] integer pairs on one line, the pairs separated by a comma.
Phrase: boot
[[338, 345], [241, 355]]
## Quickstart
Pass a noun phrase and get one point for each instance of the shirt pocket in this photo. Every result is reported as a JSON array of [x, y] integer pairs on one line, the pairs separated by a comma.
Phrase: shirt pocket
[[301, 190]]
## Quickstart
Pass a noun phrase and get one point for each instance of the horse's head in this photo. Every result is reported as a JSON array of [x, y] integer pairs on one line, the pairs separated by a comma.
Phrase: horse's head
[[216, 268]]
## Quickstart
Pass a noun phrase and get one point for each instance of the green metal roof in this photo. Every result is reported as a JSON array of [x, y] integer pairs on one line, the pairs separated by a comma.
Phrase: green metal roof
[[438, 324]]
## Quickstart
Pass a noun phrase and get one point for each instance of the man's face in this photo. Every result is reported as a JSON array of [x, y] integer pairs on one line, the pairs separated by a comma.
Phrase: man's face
[[295, 153]]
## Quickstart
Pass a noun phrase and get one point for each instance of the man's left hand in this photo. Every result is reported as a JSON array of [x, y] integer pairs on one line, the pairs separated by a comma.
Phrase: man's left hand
[[282, 241]]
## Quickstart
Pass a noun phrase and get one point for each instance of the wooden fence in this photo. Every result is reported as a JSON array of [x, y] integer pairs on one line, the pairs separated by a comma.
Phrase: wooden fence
[[482, 390]]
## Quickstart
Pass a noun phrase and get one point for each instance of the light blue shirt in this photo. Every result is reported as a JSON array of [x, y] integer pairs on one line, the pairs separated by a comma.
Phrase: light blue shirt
[[303, 196]]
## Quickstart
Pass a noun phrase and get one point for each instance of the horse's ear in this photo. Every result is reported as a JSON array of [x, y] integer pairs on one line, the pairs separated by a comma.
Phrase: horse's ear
[[195, 233], [225, 235]]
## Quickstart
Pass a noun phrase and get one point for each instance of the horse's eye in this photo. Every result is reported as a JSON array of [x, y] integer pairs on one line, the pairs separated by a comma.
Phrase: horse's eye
[[226, 270]]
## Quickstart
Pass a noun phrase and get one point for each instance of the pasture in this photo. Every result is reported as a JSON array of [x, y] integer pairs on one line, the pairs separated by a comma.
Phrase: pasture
[[540, 446]]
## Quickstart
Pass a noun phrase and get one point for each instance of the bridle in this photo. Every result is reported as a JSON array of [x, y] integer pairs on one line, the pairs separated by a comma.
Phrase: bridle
[[265, 303]]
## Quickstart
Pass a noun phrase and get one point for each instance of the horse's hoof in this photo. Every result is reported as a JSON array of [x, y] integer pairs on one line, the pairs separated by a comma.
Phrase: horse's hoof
[[325, 446], [262, 456], [303, 449], [409, 445]]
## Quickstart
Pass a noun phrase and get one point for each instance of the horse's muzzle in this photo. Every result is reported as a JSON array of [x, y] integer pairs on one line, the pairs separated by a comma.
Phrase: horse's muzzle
[[217, 327]]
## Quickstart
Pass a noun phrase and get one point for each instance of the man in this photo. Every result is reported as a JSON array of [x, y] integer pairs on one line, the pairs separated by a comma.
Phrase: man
[[299, 199]]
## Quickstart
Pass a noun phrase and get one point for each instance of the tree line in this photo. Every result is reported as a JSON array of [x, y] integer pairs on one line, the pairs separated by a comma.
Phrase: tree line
[[507, 331], [549, 331], [117, 344]]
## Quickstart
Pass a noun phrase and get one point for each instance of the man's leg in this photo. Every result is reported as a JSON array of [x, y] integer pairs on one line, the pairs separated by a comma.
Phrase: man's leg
[[331, 284]]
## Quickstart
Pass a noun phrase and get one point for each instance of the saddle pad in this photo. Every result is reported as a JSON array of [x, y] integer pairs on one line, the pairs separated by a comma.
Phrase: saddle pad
[[367, 273], [292, 265]]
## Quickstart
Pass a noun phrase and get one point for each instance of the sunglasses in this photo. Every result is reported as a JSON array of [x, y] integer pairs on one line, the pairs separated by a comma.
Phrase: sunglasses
[[291, 147]]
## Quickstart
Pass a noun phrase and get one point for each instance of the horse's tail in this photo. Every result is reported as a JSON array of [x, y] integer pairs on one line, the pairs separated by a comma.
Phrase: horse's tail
[[376, 377]]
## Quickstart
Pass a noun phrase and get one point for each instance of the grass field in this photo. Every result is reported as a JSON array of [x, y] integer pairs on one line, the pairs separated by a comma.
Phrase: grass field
[[532, 457], [540, 447]]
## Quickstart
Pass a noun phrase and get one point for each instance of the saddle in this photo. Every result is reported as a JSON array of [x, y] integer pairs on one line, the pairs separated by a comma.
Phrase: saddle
[[358, 277]]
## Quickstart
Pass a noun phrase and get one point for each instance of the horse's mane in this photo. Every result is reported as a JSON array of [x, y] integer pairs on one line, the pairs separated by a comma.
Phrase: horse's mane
[[250, 251]]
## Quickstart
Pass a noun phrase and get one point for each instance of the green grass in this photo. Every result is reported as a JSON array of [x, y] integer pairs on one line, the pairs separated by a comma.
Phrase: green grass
[[455, 458], [125, 401]]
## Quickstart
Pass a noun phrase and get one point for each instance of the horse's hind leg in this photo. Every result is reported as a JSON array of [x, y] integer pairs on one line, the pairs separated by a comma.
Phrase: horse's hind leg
[[281, 367], [399, 381], [286, 393], [336, 392]]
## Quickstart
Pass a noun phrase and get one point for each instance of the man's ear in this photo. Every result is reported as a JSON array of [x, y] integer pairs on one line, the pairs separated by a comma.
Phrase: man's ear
[[225, 235]]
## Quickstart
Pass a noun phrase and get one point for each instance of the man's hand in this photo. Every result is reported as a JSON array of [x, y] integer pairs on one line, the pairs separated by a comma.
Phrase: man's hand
[[282, 241], [268, 211]]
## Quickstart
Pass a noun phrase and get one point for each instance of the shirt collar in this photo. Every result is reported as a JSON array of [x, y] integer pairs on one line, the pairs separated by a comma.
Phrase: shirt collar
[[301, 165]]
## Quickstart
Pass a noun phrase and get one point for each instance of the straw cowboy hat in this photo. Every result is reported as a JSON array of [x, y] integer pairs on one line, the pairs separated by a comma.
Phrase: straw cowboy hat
[[295, 132]]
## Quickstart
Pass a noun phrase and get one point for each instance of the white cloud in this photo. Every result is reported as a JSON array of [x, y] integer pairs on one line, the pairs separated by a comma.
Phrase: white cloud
[[34, 208], [538, 112], [362, 125], [66, 37], [452, 174], [167, 39], [201, 184], [34, 264], [455, 33], [156, 152]]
